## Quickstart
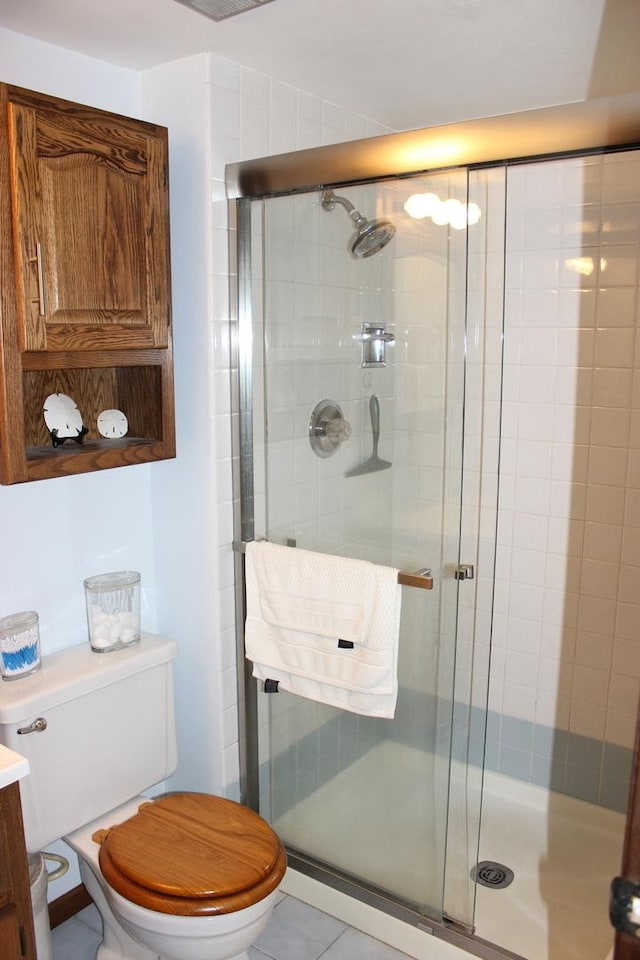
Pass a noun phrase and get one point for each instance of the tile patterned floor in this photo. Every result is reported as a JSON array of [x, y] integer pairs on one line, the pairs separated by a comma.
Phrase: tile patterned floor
[[296, 932]]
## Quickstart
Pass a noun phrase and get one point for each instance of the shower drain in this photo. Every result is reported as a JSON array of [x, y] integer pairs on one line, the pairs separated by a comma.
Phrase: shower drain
[[490, 873]]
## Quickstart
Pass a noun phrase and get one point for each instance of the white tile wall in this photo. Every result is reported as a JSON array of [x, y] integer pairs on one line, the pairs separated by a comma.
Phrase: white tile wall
[[416, 287], [252, 115], [569, 505], [316, 300]]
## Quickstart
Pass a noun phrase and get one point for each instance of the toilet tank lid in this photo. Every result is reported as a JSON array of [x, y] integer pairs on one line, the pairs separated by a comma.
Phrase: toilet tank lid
[[76, 671]]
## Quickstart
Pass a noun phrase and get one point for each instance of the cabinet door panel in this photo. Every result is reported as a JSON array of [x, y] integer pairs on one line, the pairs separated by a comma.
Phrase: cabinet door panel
[[88, 195], [93, 268]]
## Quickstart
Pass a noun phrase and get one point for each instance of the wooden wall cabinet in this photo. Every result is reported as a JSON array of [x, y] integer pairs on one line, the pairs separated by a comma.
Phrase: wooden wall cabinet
[[17, 937], [85, 304]]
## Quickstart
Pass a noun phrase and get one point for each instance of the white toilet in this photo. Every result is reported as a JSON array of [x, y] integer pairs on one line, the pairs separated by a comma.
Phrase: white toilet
[[186, 876]]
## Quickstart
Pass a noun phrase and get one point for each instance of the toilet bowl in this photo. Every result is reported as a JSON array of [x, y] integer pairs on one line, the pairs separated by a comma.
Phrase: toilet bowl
[[185, 877]]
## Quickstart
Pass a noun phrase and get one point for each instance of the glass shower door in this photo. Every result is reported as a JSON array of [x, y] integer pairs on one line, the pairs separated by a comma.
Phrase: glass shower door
[[365, 797]]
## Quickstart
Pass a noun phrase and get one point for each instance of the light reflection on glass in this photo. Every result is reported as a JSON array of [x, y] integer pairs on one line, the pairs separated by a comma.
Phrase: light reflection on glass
[[458, 215]]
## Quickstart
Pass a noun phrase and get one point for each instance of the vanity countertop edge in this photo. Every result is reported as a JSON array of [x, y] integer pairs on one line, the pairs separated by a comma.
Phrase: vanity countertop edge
[[12, 766]]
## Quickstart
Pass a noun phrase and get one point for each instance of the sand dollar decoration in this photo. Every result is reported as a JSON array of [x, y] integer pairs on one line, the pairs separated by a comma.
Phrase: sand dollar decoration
[[112, 424]]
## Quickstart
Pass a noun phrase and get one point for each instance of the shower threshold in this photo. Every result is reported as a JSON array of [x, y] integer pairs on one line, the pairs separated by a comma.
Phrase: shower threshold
[[383, 918]]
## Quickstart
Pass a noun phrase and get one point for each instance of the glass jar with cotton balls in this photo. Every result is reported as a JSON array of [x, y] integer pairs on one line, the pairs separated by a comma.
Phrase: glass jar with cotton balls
[[113, 610]]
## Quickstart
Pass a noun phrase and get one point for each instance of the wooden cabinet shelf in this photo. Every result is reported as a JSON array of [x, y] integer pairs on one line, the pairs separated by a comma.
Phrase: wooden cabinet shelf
[[84, 284]]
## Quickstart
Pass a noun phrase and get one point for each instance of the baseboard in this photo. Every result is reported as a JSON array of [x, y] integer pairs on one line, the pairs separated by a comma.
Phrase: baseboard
[[66, 906]]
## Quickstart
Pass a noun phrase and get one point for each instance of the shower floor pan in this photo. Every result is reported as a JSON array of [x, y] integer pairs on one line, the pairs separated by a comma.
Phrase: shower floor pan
[[563, 852]]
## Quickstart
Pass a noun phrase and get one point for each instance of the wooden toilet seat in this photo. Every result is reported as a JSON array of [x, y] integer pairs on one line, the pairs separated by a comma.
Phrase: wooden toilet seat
[[192, 854]]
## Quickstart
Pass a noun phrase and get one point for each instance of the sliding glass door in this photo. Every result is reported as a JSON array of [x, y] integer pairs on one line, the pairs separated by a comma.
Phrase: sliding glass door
[[374, 395]]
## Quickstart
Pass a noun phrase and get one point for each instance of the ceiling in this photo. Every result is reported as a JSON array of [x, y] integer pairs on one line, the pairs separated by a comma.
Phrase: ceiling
[[404, 63]]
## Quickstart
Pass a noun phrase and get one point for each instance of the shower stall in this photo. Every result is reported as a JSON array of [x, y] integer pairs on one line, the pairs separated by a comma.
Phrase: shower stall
[[450, 385]]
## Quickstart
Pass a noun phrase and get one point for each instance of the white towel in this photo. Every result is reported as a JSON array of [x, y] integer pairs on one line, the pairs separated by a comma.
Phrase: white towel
[[324, 594], [300, 603]]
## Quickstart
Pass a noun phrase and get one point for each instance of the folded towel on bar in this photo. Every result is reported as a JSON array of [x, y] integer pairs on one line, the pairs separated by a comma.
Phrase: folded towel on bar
[[300, 604], [324, 594]]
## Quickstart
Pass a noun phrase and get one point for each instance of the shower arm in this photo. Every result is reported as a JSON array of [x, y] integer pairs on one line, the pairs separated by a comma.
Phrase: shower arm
[[329, 200]]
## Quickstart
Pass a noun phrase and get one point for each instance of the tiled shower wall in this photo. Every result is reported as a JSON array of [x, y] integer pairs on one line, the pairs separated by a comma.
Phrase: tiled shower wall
[[317, 298], [564, 678], [251, 115], [566, 641]]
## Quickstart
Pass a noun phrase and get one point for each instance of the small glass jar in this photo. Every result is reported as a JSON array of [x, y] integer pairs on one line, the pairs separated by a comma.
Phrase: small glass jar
[[113, 610], [19, 645]]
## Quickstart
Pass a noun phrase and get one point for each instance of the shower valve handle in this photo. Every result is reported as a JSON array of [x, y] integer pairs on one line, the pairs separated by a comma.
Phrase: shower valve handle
[[327, 428], [339, 430]]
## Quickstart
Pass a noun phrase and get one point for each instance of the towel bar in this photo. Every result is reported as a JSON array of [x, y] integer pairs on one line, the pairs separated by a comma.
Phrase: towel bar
[[422, 579]]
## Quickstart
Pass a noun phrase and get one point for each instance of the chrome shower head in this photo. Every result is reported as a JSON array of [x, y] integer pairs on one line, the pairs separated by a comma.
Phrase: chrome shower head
[[370, 235]]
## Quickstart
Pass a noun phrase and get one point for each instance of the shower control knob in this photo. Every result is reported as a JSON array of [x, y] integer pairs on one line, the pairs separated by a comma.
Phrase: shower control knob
[[339, 430], [327, 428]]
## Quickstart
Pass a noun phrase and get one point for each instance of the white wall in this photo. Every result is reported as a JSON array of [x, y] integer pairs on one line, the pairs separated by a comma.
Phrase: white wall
[[57, 532], [185, 489], [61, 73]]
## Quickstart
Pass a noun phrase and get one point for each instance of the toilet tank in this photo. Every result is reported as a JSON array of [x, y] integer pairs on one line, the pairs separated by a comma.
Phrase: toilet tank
[[109, 732]]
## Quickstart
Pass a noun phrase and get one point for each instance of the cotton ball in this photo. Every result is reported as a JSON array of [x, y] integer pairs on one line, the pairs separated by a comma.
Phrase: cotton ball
[[98, 615], [128, 635], [100, 641]]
